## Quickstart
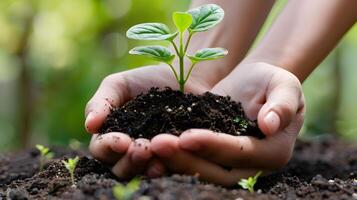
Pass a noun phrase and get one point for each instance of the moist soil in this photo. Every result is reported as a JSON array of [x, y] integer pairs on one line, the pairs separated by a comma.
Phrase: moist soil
[[321, 169], [171, 111]]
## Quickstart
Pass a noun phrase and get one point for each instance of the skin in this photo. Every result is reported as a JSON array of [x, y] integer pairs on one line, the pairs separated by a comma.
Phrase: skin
[[267, 82]]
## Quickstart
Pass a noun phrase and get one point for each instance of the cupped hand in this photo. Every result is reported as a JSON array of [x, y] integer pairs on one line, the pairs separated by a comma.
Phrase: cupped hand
[[127, 157], [269, 94]]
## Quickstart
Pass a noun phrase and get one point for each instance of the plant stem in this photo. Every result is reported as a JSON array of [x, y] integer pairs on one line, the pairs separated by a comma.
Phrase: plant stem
[[175, 47], [72, 178], [182, 81], [173, 70], [181, 60], [188, 41], [189, 71], [41, 163]]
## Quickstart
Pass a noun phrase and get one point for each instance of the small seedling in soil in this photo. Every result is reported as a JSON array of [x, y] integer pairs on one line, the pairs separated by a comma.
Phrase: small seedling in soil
[[45, 154], [249, 183], [125, 192], [191, 22], [243, 123], [71, 166]]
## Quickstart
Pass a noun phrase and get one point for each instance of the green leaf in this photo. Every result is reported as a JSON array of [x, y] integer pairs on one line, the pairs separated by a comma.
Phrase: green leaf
[[150, 31], [182, 20], [205, 17], [71, 163], [208, 54], [50, 155], [249, 183], [125, 192], [244, 183], [43, 150], [156, 52]]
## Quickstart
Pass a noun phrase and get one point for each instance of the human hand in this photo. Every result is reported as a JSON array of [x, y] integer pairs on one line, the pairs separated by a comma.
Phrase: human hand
[[269, 94], [128, 157]]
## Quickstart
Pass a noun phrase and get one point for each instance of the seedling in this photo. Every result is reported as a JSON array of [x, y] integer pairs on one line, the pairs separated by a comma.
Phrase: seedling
[[45, 154], [249, 183], [125, 192], [71, 166], [243, 123], [191, 22]]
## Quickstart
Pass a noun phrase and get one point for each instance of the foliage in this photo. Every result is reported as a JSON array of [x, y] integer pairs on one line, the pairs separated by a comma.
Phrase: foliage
[[243, 123], [125, 192], [249, 183], [45, 154], [193, 21], [70, 165]]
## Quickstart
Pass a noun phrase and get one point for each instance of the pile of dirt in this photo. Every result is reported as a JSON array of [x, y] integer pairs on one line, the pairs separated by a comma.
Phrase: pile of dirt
[[171, 111]]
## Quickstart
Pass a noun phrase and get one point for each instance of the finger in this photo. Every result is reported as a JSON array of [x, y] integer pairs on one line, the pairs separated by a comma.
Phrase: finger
[[238, 151], [135, 160], [155, 169], [283, 101], [111, 93], [109, 147], [166, 147]]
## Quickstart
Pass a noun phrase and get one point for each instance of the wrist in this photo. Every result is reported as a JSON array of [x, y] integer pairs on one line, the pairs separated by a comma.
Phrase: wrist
[[287, 61]]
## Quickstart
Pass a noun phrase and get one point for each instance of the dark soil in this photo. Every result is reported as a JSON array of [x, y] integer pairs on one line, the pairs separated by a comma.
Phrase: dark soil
[[170, 111], [324, 169]]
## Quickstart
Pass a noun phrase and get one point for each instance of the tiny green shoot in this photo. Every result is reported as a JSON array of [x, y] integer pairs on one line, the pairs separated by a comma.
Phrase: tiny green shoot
[[45, 154], [125, 192], [243, 123], [249, 183], [70, 165], [191, 22]]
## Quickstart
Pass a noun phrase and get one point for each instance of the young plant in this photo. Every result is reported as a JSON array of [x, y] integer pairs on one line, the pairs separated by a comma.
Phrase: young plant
[[71, 166], [125, 192], [249, 183], [243, 123], [45, 154], [191, 22]]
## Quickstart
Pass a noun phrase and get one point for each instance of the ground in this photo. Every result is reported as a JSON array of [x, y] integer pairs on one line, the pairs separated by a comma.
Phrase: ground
[[321, 169]]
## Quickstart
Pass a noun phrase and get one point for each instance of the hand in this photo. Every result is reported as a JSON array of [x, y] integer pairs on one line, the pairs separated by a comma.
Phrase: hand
[[269, 94], [128, 157]]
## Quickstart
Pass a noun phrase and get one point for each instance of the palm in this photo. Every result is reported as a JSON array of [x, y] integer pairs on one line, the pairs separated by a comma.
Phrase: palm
[[117, 149], [261, 88]]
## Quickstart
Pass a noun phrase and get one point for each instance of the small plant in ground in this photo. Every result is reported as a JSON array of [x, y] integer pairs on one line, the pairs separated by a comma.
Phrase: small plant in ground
[[249, 183], [45, 154], [71, 166], [193, 21], [125, 192]]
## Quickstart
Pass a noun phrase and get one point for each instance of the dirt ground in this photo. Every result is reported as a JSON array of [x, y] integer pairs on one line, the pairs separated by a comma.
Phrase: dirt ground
[[323, 169]]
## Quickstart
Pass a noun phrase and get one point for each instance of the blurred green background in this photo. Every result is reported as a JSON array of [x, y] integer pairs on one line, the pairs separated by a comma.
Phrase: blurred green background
[[54, 54]]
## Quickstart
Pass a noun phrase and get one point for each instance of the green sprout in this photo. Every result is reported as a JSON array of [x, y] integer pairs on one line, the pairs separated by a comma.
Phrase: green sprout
[[125, 192], [45, 154], [243, 123], [193, 21], [71, 166], [249, 183]]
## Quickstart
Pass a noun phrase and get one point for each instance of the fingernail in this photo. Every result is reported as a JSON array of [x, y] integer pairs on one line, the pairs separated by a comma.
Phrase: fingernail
[[272, 121], [89, 118]]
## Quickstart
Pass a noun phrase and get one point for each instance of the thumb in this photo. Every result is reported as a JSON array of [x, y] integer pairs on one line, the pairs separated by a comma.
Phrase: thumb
[[110, 94], [282, 104]]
